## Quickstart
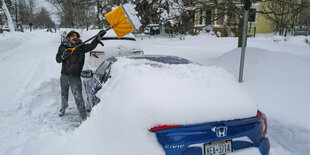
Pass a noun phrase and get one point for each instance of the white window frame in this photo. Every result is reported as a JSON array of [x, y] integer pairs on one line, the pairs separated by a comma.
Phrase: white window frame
[[253, 6]]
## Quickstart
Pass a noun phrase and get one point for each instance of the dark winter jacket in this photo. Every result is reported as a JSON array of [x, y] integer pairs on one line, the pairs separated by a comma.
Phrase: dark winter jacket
[[73, 65]]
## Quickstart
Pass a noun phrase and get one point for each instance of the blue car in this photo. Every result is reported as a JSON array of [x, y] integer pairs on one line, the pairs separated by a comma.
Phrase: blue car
[[245, 135], [214, 137]]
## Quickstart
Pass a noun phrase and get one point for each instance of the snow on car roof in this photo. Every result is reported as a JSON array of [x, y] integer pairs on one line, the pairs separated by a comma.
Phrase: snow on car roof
[[152, 25], [188, 85], [162, 58]]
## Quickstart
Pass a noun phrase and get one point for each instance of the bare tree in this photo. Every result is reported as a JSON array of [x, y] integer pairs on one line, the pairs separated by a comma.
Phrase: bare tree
[[8, 15], [76, 13], [66, 11], [150, 11], [24, 13], [43, 18], [283, 13], [31, 6], [173, 14], [233, 10], [304, 16]]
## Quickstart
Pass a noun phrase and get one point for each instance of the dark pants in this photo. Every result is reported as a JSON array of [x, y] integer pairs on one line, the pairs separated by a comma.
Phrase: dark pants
[[74, 82]]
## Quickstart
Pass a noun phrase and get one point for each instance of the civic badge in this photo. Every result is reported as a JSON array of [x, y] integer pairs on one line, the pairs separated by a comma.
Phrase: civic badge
[[221, 131]]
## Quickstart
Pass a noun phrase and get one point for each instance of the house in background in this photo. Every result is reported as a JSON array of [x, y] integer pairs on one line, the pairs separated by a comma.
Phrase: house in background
[[222, 25]]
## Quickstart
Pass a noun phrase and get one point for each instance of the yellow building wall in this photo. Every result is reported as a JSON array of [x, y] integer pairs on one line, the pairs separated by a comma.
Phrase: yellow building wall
[[197, 15], [262, 24]]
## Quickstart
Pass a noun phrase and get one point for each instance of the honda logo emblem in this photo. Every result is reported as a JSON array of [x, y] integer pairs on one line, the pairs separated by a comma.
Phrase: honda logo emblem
[[221, 131]]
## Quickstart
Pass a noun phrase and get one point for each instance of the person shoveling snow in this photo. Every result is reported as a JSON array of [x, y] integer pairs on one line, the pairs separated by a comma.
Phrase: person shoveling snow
[[72, 60], [71, 54]]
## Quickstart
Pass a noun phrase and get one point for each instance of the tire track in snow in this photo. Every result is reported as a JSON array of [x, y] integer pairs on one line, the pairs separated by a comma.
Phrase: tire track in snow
[[25, 68], [20, 68], [294, 139], [37, 115]]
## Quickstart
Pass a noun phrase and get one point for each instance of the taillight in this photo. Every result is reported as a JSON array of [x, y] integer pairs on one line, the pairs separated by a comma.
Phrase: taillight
[[137, 52], [96, 53], [162, 127], [264, 118]]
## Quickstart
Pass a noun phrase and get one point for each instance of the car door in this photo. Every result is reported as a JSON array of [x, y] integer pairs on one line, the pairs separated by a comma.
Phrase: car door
[[94, 84]]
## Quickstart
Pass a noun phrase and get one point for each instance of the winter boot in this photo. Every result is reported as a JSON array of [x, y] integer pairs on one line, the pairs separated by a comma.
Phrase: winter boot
[[61, 112]]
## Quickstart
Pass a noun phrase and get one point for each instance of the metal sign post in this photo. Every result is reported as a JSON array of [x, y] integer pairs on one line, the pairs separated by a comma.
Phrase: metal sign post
[[247, 6]]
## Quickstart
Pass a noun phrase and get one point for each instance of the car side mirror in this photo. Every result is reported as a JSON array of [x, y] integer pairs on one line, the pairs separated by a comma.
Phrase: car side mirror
[[87, 74]]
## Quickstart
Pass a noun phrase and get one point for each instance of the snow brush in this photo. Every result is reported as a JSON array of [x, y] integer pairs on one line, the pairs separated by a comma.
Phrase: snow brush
[[122, 20]]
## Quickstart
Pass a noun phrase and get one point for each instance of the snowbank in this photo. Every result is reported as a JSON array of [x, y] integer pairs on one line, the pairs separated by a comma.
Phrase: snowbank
[[278, 81], [140, 96]]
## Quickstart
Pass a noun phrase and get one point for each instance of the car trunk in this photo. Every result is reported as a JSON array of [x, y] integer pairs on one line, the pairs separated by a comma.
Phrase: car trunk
[[191, 139]]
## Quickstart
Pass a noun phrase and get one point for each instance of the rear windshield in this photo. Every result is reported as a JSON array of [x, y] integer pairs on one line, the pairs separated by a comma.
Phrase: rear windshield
[[165, 59]]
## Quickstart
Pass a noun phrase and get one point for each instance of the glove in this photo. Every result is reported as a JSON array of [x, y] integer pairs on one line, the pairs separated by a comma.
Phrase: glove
[[101, 43], [66, 54], [101, 34]]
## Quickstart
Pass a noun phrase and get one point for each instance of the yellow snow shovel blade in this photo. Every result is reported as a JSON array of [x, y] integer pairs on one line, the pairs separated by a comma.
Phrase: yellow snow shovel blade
[[119, 22]]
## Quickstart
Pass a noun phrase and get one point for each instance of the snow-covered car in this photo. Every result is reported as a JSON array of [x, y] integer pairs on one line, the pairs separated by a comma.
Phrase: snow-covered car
[[152, 29], [113, 46], [192, 109]]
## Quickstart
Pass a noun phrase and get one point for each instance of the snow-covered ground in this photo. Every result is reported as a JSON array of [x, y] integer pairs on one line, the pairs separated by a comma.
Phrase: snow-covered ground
[[276, 75]]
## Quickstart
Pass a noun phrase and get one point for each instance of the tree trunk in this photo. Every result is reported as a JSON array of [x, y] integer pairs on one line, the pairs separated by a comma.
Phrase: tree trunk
[[240, 30], [8, 15], [86, 15], [98, 14]]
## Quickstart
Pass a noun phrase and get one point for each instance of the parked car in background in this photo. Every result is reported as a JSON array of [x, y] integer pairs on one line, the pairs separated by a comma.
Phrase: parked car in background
[[113, 47], [235, 134], [152, 29]]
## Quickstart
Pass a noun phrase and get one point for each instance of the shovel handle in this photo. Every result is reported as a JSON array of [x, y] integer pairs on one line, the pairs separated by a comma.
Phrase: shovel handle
[[71, 49], [91, 38]]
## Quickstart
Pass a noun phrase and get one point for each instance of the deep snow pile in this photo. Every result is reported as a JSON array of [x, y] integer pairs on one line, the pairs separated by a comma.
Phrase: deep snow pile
[[141, 96], [279, 82], [275, 80]]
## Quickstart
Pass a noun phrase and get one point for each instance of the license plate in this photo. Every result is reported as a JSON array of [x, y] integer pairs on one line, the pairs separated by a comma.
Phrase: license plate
[[220, 147]]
